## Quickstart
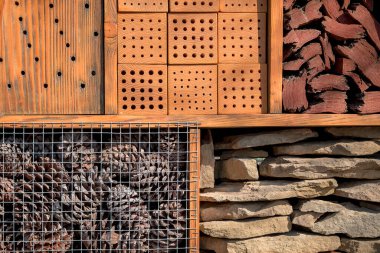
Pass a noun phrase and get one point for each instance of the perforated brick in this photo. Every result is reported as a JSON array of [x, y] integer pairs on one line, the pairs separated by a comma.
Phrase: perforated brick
[[142, 38], [242, 88], [193, 38], [142, 89], [194, 5], [243, 5], [143, 5], [242, 38], [193, 89]]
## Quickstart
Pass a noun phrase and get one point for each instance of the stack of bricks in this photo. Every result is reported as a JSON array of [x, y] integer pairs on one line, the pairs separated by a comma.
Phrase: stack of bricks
[[192, 57]]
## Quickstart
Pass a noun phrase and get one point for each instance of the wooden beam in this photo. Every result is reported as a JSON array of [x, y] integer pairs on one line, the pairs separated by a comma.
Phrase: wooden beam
[[204, 121], [110, 57], [275, 55]]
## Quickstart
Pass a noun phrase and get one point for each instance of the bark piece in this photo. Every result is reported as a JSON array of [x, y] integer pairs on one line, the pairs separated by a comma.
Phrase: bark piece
[[332, 8], [207, 160], [298, 38], [294, 94], [368, 21], [328, 55], [288, 4], [332, 102], [370, 103], [239, 211], [305, 54], [341, 31], [360, 83], [298, 17], [369, 4], [344, 66], [329, 82], [269, 138], [269, 190], [244, 229], [316, 168], [293, 242], [367, 190], [314, 67], [335, 147], [346, 3]]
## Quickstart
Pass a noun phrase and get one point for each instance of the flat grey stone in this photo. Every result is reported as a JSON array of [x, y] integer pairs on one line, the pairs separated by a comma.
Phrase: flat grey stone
[[239, 169], [357, 132], [367, 190]]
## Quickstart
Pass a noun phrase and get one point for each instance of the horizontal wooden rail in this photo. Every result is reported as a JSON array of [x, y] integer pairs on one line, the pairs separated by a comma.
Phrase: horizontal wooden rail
[[204, 121]]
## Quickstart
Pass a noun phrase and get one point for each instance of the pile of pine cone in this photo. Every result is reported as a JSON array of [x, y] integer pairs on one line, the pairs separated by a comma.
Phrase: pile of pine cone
[[67, 192]]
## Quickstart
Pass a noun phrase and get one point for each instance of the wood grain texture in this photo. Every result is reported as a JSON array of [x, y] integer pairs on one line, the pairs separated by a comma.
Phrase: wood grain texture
[[193, 89], [52, 57], [143, 5], [205, 121], [243, 5], [110, 57], [142, 38], [242, 37], [194, 213], [275, 55], [193, 38], [194, 5], [143, 89], [242, 88]]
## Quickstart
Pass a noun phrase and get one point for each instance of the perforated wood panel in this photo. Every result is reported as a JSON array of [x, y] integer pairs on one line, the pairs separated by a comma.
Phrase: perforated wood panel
[[142, 89], [193, 89], [143, 5], [142, 38], [193, 38], [242, 38], [242, 88], [194, 5], [243, 5], [51, 57]]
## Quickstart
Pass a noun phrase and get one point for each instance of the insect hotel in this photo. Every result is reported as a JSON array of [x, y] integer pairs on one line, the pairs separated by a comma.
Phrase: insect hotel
[[218, 126]]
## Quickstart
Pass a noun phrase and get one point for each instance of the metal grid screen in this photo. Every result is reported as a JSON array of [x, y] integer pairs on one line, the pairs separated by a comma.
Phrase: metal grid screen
[[98, 188]]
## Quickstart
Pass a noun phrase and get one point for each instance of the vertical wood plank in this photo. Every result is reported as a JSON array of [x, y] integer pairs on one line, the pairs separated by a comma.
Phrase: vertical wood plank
[[195, 163], [275, 55], [110, 56]]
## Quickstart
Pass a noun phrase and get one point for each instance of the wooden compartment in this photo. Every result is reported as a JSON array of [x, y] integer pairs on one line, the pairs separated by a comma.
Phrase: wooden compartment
[[242, 88], [242, 38], [193, 89], [52, 57], [143, 5], [243, 5], [193, 38], [142, 89], [194, 5], [142, 38]]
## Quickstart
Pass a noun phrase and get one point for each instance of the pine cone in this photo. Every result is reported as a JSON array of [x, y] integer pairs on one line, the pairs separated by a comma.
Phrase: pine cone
[[119, 160], [7, 239], [156, 180], [40, 145], [12, 158], [173, 148], [168, 227], [143, 142], [77, 150], [39, 189], [6, 190], [129, 214], [85, 196]]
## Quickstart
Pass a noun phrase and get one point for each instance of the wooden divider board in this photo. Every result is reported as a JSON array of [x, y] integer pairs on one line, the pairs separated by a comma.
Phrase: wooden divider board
[[51, 55]]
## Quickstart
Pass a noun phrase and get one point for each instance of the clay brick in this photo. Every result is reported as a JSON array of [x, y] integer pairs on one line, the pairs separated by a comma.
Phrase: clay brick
[[194, 5], [243, 5], [143, 5]]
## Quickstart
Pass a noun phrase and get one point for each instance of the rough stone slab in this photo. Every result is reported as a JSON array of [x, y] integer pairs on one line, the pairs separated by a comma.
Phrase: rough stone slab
[[338, 147], [353, 221], [370, 205], [357, 132], [243, 153], [305, 219], [239, 169], [367, 190], [207, 160], [313, 168], [238, 211], [319, 206], [244, 229], [292, 242], [269, 190], [360, 246], [266, 138]]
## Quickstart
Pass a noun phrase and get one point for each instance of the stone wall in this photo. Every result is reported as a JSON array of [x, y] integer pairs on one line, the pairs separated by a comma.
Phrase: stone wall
[[291, 190]]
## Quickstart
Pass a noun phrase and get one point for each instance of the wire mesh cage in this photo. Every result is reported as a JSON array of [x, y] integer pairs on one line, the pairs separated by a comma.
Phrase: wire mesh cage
[[98, 188]]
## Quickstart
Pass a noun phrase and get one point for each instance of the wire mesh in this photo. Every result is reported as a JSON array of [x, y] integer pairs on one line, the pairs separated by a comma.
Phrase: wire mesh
[[98, 187]]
